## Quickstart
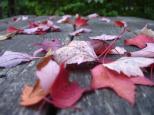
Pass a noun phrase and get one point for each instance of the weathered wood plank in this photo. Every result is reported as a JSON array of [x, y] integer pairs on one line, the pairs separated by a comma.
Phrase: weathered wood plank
[[101, 102]]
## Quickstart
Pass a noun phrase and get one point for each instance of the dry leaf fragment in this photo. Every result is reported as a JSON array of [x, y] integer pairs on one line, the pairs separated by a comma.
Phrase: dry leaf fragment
[[147, 32], [32, 95], [7, 36], [76, 52]]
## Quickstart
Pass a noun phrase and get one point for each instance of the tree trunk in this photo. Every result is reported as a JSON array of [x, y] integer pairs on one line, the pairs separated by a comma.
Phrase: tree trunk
[[11, 7], [1, 13]]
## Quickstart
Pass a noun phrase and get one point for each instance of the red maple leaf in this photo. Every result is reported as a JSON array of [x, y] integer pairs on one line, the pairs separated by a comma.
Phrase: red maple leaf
[[120, 23], [65, 94], [80, 21], [121, 84], [139, 41]]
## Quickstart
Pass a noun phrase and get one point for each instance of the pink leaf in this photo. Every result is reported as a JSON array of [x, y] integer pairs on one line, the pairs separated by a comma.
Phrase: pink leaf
[[53, 44], [148, 51], [105, 19], [104, 37], [92, 16], [139, 41], [11, 59], [118, 50], [78, 32], [64, 93], [142, 81], [130, 66], [105, 78], [65, 19], [47, 72]]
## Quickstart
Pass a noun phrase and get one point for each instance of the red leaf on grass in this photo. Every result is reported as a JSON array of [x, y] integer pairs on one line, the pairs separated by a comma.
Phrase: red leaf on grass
[[105, 78], [63, 93], [139, 41], [80, 21]]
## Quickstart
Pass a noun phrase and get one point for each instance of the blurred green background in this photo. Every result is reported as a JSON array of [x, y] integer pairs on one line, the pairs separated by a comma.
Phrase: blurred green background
[[138, 8]]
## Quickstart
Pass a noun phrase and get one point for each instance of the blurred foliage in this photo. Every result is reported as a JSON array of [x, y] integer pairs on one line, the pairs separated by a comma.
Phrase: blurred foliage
[[136, 8]]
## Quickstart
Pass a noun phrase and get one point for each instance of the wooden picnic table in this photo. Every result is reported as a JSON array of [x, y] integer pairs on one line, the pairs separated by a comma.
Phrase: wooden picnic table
[[101, 102]]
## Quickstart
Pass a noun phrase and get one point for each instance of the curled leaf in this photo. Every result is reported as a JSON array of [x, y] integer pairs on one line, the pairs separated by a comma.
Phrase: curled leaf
[[47, 71]]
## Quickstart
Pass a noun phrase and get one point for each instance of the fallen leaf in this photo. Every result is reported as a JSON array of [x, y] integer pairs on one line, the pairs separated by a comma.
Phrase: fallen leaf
[[92, 16], [104, 37], [80, 21], [148, 51], [11, 59], [32, 95], [142, 81], [139, 41], [79, 31], [7, 36], [99, 46], [65, 19], [12, 29], [130, 66], [76, 52], [105, 19], [47, 71], [20, 18], [53, 44], [147, 32], [36, 28], [120, 23], [118, 50], [64, 93], [105, 78]]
